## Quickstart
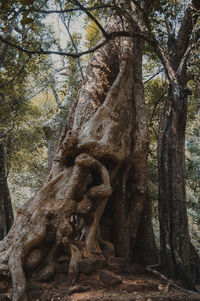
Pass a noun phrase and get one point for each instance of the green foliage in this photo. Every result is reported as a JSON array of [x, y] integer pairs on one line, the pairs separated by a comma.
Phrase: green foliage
[[92, 34], [73, 80], [15, 91], [28, 160], [92, 31], [21, 77], [23, 26], [193, 163], [193, 178], [154, 95]]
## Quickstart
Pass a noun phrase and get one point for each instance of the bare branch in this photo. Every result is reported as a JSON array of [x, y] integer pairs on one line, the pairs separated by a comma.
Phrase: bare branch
[[154, 108], [110, 36], [184, 34], [187, 52], [151, 77], [183, 61], [171, 74], [187, 26], [39, 91], [76, 2], [183, 39], [73, 42], [71, 10]]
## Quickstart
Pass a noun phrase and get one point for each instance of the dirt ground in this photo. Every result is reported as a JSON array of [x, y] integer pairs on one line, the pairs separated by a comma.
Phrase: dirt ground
[[100, 280]]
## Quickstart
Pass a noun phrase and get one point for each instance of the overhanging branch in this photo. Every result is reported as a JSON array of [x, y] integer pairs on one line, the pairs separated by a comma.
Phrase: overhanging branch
[[110, 36], [70, 10], [151, 77], [188, 51], [151, 40], [63, 19], [76, 2]]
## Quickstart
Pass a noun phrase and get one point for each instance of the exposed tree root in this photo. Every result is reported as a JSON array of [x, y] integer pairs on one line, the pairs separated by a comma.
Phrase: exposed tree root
[[64, 196], [73, 271], [157, 274]]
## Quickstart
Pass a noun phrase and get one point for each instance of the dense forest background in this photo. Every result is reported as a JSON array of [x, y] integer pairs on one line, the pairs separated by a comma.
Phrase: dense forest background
[[43, 67], [37, 88]]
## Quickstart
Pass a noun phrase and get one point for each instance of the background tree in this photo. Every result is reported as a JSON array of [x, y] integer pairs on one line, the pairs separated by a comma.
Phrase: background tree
[[6, 216], [176, 250], [18, 71]]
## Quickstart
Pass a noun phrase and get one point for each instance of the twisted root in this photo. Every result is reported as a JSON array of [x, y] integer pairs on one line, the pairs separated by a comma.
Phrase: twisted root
[[54, 205]]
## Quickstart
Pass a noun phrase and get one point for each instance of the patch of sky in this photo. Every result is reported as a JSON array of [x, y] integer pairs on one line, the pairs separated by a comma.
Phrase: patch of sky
[[61, 35]]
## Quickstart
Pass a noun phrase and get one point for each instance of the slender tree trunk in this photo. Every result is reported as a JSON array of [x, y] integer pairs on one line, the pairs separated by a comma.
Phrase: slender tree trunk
[[178, 257], [176, 251], [6, 214]]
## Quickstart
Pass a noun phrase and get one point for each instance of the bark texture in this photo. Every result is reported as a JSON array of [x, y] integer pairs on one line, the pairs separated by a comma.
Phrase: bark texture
[[6, 214], [177, 254], [172, 206], [98, 183], [178, 257]]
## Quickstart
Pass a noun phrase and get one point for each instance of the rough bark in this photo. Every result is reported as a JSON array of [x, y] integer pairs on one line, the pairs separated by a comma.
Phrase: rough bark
[[6, 213], [131, 181], [176, 250], [98, 174], [178, 257], [172, 207]]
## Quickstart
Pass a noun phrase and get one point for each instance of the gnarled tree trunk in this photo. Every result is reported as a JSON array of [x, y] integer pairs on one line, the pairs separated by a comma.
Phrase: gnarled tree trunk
[[98, 183]]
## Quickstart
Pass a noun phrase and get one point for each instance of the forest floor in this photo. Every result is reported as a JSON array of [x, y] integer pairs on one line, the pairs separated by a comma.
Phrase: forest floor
[[100, 280]]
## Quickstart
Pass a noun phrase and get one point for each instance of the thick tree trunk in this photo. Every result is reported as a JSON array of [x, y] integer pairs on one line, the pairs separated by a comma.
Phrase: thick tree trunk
[[6, 213], [130, 190], [98, 178], [176, 252]]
